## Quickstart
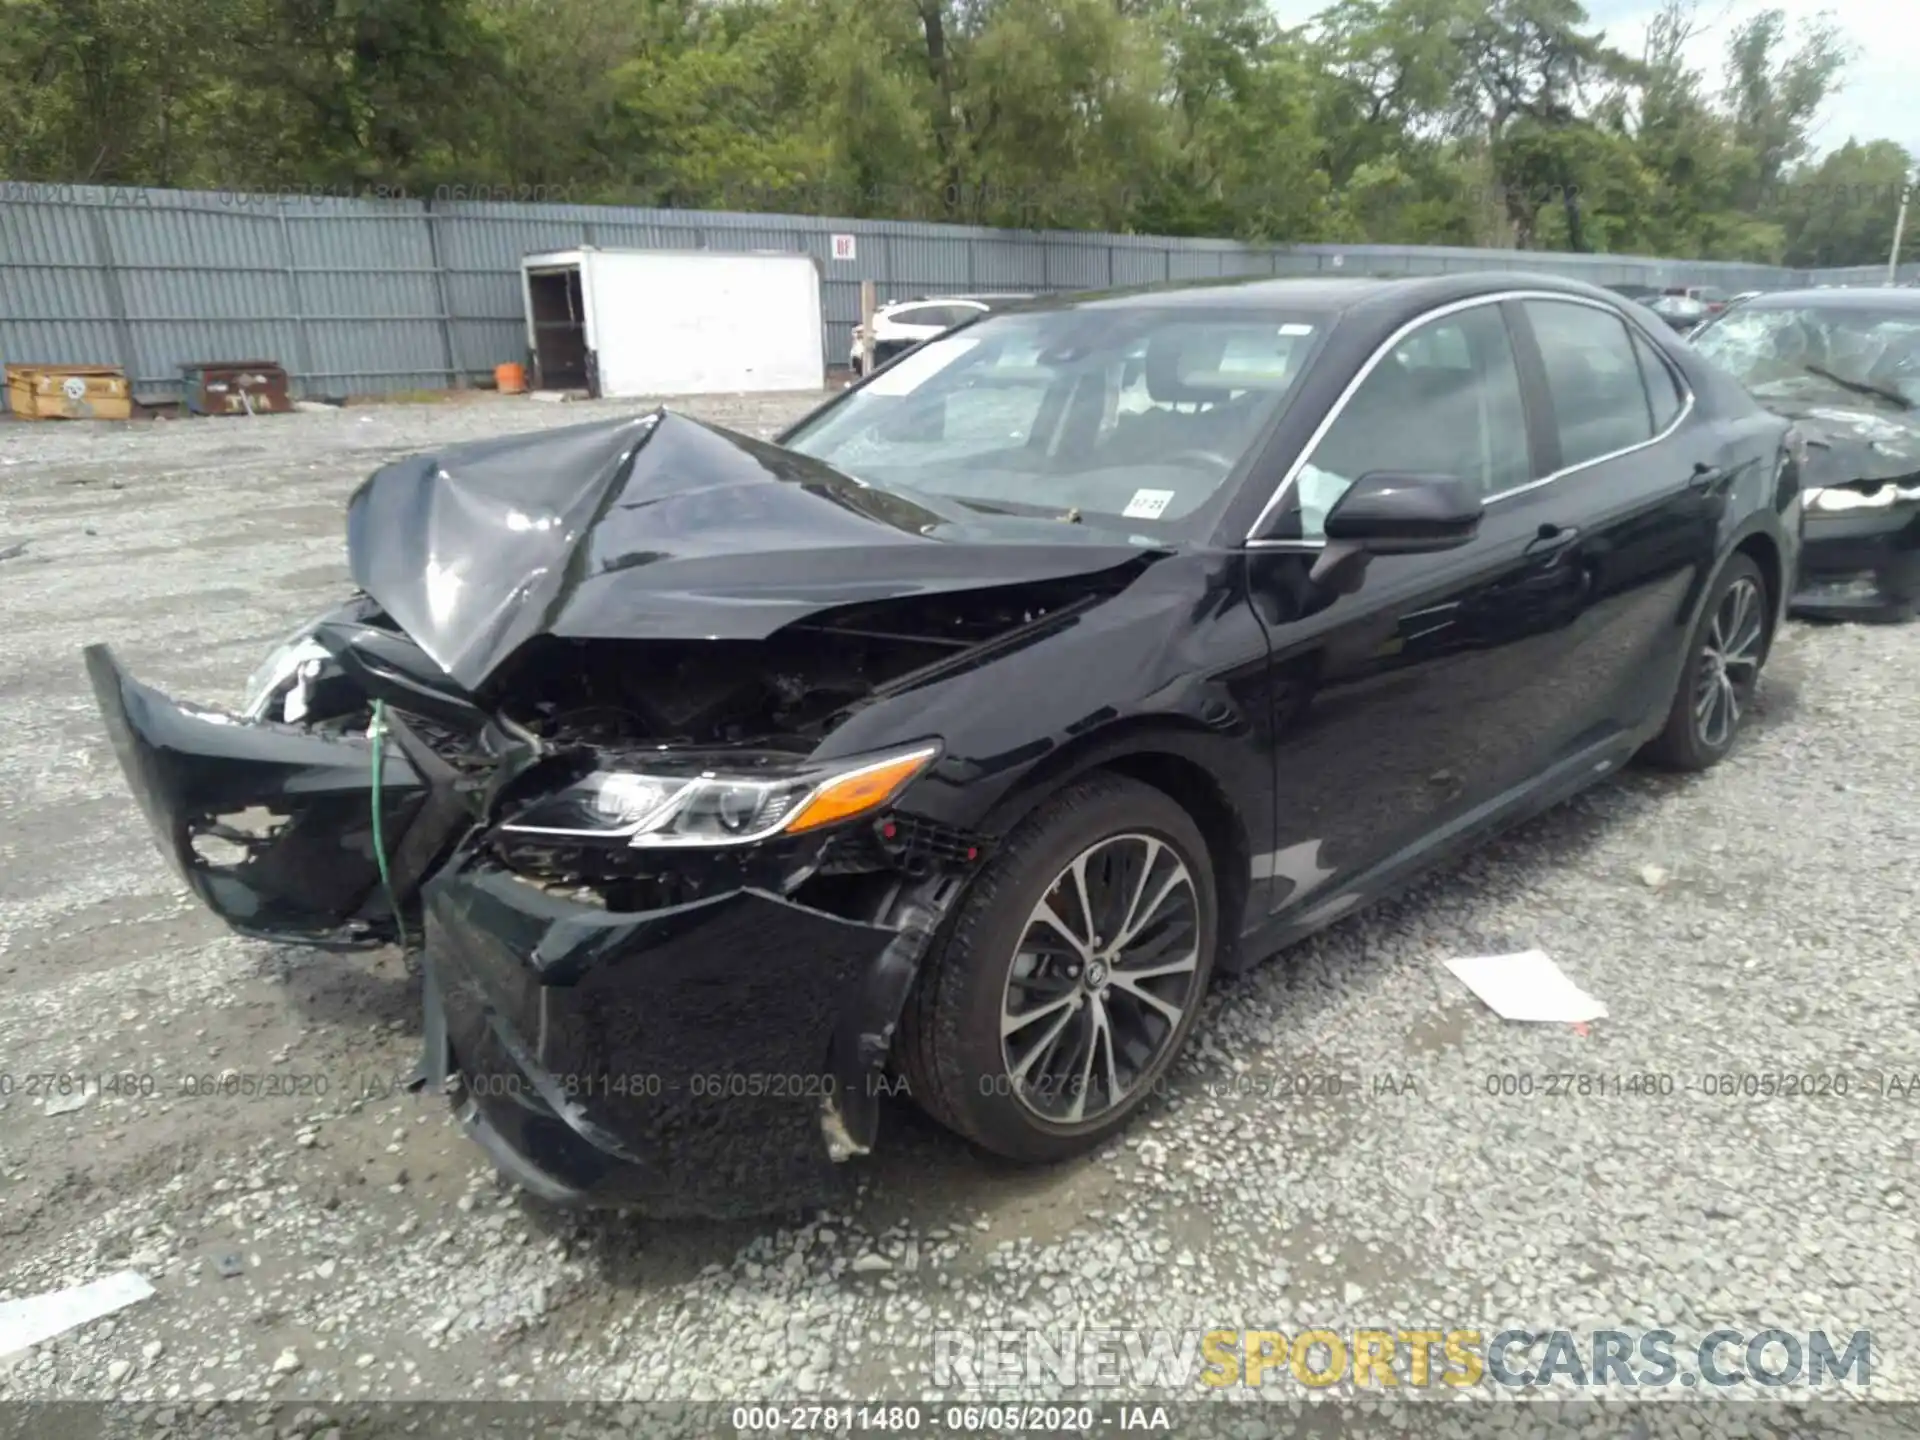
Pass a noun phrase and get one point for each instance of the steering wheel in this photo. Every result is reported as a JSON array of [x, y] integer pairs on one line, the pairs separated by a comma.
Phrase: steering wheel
[[1212, 457]]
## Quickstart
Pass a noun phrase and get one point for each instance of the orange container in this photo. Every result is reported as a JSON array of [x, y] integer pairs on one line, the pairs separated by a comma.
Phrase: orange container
[[510, 379]]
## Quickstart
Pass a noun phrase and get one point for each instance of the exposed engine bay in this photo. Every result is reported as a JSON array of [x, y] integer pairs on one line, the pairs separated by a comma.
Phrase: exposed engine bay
[[785, 691]]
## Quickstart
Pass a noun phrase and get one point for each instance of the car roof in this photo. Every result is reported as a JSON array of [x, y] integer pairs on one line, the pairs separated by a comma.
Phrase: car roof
[[1327, 296], [977, 299], [1841, 297]]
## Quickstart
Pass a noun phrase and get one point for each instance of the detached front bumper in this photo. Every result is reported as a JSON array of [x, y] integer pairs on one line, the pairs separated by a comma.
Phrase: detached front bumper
[[271, 825], [680, 1061], [1860, 566]]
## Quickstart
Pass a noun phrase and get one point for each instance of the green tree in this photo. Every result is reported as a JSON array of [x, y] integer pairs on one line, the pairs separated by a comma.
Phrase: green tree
[[1773, 96], [1503, 122], [1841, 211], [1239, 155]]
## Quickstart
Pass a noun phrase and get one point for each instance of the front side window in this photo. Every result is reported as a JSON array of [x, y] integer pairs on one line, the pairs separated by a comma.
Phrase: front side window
[[1446, 399], [1600, 401], [1129, 416]]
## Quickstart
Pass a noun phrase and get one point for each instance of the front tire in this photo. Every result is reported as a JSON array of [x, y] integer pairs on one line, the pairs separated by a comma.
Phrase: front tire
[[1722, 670], [1070, 977]]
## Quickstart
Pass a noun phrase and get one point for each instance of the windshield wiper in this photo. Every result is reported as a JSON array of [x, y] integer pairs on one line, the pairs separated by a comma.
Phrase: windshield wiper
[[1024, 512], [1859, 387]]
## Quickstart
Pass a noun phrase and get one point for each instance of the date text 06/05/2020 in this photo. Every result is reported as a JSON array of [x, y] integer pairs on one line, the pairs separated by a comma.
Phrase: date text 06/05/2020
[[951, 1419]]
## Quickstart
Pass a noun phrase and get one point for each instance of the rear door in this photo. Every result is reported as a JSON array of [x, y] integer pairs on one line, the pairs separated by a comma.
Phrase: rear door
[[1624, 513]]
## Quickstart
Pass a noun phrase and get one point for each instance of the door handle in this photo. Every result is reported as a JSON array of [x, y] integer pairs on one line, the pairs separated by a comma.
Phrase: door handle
[[1705, 477], [1551, 539]]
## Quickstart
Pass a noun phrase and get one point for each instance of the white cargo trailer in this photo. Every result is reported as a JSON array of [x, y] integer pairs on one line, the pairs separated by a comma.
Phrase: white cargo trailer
[[673, 322]]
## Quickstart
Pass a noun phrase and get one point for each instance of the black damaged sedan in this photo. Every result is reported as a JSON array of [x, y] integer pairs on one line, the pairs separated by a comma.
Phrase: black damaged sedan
[[1844, 365], [951, 744]]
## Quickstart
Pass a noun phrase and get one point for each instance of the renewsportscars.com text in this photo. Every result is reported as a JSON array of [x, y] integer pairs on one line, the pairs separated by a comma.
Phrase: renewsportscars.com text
[[1756, 1361]]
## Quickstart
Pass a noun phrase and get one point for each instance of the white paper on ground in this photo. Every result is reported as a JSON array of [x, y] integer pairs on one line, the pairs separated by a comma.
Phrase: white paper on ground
[[1527, 986], [64, 1104], [41, 1317]]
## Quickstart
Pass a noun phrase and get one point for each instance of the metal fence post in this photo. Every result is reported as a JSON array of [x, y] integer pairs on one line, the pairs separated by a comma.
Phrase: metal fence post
[[297, 307], [456, 377], [116, 297]]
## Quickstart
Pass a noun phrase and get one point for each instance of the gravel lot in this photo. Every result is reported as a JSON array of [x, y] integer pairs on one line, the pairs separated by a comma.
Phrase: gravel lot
[[1760, 920]]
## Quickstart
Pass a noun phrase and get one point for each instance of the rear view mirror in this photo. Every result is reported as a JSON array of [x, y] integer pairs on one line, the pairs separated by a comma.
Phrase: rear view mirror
[[1395, 512]]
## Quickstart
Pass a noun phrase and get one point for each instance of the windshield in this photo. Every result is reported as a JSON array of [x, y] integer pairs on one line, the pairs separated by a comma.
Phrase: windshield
[[1829, 353], [1128, 415]]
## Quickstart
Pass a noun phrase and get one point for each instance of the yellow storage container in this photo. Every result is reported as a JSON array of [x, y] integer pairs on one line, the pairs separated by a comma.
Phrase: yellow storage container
[[69, 392]]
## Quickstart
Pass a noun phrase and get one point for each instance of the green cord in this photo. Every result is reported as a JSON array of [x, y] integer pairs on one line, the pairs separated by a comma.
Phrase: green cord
[[378, 732]]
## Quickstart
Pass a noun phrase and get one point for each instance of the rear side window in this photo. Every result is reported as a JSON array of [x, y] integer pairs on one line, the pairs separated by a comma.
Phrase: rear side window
[[919, 315], [941, 315], [1663, 387], [1600, 402]]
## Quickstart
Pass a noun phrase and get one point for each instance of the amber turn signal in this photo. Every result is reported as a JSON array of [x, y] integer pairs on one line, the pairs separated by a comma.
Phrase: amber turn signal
[[860, 791]]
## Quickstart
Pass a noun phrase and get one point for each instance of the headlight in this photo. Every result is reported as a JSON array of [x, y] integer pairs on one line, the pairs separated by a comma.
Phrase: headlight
[[712, 808], [1839, 498], [291, 663]]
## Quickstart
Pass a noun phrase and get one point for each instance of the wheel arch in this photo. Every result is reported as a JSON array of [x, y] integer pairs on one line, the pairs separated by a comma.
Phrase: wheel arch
[[1764, 551], [1167, 757]]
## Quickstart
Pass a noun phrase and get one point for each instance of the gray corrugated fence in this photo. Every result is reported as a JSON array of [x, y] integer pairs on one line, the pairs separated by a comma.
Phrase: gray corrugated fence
[[369, 296]]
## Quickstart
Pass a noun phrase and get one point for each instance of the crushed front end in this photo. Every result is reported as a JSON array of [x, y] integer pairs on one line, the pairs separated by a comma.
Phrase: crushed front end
[[1860, 558], [665, 944], [583, 737], [665, 971], [1860, 550]]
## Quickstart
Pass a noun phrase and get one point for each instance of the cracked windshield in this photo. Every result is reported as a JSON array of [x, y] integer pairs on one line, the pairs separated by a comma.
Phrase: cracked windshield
[[1840, 354], [1081, 415]]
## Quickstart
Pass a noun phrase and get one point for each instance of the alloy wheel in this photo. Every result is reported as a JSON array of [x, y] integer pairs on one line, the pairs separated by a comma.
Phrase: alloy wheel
[[1729, 663], [1104, 972]]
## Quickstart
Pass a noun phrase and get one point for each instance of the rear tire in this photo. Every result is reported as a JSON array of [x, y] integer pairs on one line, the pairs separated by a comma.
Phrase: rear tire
[[1040, 1022], [1725, 653]]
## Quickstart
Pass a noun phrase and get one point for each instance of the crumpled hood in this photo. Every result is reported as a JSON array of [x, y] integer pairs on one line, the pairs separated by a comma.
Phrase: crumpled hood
[[1852, 443], [662, 527]]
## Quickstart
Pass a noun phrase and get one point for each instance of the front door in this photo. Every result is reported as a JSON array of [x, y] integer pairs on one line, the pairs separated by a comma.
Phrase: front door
[[1402, 708]]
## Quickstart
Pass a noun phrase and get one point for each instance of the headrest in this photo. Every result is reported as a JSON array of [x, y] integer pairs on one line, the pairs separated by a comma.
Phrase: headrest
[[1171, 358]]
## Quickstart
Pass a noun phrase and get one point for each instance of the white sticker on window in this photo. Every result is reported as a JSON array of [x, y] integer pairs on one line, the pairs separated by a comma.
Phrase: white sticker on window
[[1147, 504], [910, 372], [1296, 329]]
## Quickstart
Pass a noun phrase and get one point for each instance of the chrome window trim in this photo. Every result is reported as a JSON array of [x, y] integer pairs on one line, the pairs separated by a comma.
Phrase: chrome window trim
[[1386, 348]]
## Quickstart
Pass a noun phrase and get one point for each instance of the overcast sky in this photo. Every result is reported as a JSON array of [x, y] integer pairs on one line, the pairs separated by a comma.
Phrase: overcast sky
[[1878, 101]]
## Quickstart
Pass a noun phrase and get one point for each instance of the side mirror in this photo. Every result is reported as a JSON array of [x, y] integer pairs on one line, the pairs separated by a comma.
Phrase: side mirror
[[1399, 512], [1395, 512]]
